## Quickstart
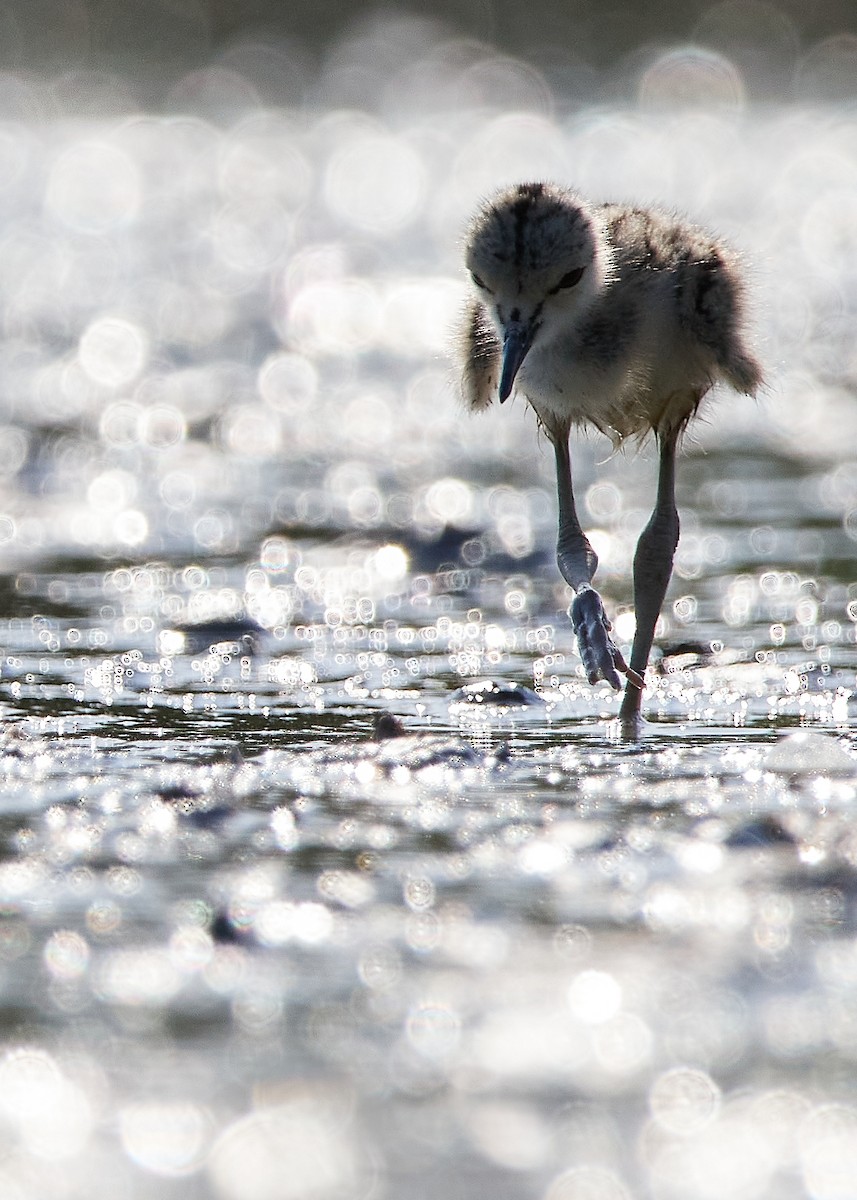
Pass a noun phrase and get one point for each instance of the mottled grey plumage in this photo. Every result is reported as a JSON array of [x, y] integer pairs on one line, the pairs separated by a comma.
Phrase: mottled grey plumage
[[608, 315]]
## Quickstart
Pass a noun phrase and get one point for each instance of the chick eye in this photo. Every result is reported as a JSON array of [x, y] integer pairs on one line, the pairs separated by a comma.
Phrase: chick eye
[[570, 280], [479, 283]]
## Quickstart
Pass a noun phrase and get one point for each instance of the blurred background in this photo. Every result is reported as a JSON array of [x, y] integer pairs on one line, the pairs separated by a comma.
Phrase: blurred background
[[231, 237], [778, 46]]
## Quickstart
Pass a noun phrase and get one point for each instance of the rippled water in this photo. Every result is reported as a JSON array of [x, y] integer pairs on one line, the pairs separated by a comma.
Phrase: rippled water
[[246, 950]]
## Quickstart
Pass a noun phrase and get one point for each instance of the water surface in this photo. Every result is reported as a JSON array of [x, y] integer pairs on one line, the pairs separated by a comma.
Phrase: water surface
[[246, 951]]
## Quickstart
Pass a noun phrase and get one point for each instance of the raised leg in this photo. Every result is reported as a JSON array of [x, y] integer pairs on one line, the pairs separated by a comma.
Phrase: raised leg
[[577, 562], [653, 565], [576, 559]]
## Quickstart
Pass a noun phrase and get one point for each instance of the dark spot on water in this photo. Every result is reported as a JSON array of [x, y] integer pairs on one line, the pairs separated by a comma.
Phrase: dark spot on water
[[763, 831], [387, 726], [499, 693]]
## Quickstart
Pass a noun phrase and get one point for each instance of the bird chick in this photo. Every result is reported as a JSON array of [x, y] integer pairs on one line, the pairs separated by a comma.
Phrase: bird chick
[[612, 316]]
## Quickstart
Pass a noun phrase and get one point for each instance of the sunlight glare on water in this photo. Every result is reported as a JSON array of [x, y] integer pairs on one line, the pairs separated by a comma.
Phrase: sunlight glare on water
[[257, 945]]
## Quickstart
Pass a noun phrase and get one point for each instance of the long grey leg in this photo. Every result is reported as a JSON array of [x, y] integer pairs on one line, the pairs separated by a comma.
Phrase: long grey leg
[[653, 565], [576, 559], [577, 562]]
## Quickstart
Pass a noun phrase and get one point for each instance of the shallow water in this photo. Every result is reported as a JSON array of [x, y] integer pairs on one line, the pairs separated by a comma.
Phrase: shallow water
[[246, 951]]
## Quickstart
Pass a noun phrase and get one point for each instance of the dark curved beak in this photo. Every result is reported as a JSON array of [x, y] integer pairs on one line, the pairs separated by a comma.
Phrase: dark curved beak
[[516, 343]]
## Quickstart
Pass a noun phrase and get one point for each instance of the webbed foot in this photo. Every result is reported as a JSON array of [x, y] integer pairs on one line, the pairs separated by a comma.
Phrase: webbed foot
[[601, 657]]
